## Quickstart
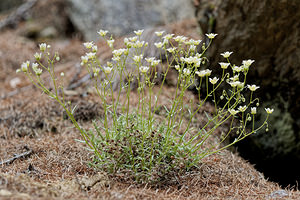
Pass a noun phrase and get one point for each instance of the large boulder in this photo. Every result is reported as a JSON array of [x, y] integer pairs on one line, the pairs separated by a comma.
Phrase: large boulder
[[122, 17], [6, 5], [268, 32]]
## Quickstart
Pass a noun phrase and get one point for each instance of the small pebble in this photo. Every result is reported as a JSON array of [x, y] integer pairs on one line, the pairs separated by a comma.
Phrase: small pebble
[[278, 194]]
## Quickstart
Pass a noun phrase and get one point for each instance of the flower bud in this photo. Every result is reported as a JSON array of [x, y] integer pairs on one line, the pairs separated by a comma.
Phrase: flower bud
[[43, 47], [25, 65], [38, 56]]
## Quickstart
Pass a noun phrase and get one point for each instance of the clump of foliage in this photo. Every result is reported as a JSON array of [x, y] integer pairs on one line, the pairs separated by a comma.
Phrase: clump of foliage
[[134, 139]]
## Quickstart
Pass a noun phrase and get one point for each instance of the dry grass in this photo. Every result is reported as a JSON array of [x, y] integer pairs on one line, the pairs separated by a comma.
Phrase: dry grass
[[58, 169]]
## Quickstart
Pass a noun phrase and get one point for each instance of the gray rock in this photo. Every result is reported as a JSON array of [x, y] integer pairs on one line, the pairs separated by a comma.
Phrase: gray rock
[[122, 17], [49, 32], [6, 5], [278, 194], [268, 32]]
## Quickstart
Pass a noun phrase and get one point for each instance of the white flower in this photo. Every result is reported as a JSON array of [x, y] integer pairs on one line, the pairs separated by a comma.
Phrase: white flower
[[247, 62], [237, 69], [139, 44], [84, 59], [213, 80], [155, 62], [96, 71], [34, 66], [171, 50], [36, 70], [186, 71], [197, 42], [158, 45], [226, 54], [269, 110], [194, 42], [165, 42], [177, 67], [234, 78], [137, 59], [38, 56], [201, 73], [211, 35], [242, 108], [102, 33], [159, 33], [133, 39], [139, 32], [168, 36], [94, 48], [253, 110], [144, 69], [252, 87], [126, 52], [126, 41], [119, 52], [25, 65], [240, 85], [180, 39], [198, 63], [224, 65], [110, 43], [245, 68], [234, 83], [198, 55], [208, 72], [62, 74], [116, 58], [190, 60], [233, 112], [88, 45], [107, 70], [150, 60], [192, 48], [91, 55], [43, 47]]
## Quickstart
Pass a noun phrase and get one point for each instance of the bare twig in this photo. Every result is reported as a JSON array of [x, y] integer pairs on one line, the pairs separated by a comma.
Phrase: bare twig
[[18, 15], [17, 156]]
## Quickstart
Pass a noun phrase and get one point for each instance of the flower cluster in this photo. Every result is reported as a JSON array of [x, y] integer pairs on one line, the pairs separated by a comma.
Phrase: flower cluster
[[192, 60]]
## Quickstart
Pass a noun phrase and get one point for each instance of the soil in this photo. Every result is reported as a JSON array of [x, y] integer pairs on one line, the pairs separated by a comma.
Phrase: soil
[[54, 164]]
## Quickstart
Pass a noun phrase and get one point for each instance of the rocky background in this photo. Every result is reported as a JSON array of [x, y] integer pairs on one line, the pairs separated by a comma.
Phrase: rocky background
[[267, 31], [139, 14]]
